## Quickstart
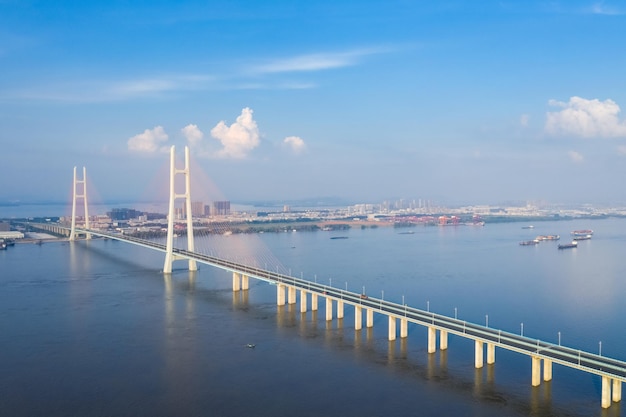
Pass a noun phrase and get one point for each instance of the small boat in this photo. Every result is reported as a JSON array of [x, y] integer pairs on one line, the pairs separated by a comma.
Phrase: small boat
[[568, 245], [406, 233], [528, 227], [529, 242], [251, 345], [339, 237], [3, 244]]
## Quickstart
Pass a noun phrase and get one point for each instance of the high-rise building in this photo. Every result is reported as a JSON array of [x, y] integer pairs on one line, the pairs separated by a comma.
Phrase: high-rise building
[[123, 214], [197, 208], [221, 208]]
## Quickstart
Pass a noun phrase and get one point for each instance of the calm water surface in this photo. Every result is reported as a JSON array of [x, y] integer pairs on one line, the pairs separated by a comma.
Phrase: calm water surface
[[95, 329]]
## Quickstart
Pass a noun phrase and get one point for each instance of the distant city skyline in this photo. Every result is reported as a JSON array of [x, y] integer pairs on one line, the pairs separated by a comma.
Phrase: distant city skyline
[[455, 102]]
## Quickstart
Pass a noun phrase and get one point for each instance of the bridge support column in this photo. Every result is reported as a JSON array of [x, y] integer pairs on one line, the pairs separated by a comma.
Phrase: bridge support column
[[491, 353], [245, 284], [291, 296], [329, 309], [236, 282], [339, 309], [606, 392], [313, 302], [280, 294], [404, 328], [478, 354], [432, 340], [443, 339], [358, 318], [392, 328], [547, 370], [369, 318], [536, 371], [302, 301], [617, 390]]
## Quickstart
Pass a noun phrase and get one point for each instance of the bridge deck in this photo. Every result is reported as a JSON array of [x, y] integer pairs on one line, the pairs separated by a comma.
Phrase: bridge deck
[[578, 359]]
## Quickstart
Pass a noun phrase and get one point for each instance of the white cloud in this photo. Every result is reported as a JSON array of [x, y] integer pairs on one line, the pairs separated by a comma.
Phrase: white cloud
[[193, 134], [317, 62], [585, 118], [295, 143], [575, 157], [239, 138], [149, 141]]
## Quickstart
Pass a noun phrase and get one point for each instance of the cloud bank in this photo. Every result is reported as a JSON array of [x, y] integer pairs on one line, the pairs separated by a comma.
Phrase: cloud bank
[[585, 118], [235, 141]]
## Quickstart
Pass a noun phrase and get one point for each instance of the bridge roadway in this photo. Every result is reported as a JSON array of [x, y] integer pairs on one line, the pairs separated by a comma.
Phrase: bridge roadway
[[611, 370]]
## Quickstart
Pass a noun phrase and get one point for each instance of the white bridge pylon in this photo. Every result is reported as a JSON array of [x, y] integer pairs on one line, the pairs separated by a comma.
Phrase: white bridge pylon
[[169, 247], [82, 195]]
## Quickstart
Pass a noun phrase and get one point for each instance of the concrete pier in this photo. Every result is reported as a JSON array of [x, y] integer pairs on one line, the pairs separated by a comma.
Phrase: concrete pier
[[313, 302], [443, 340], [491, 353], [478, 354], [392, 328], [236, 282], [329, 309], [291, 296], [404, 328], [370, 318], [358, 318], [617, 390], [536, 370], [339, 309], [606, 392], [280, 294], [547, 370], [245, 282], [432, 340], [302, 301]]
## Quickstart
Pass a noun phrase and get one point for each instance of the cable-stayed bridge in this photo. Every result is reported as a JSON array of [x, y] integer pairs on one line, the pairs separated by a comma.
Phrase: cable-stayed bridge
[[291, 289]]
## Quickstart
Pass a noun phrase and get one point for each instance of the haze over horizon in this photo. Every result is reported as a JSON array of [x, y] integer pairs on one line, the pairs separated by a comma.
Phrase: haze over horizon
[[364, 100]]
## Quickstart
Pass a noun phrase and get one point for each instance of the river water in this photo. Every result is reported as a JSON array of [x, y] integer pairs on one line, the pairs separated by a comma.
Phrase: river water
[[95, 329]]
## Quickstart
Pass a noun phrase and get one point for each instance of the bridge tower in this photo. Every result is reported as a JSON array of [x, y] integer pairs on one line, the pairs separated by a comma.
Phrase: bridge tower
[[83, 195], [169, 248]]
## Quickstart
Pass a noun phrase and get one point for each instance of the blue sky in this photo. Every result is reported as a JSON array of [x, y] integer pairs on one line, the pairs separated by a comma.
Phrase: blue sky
[[453, 101]]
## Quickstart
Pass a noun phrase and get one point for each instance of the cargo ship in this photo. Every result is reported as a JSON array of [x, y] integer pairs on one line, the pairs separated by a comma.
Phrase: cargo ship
[[568, 245], [529, 242], [547, 237], [583, 232]]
